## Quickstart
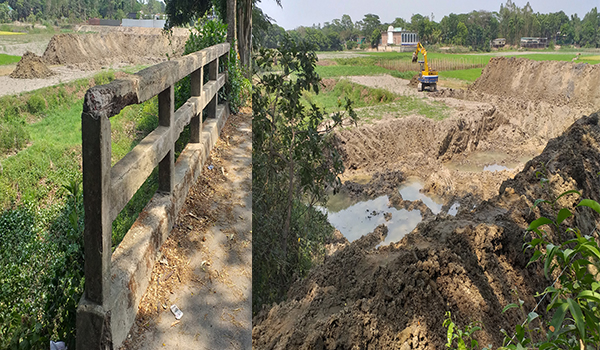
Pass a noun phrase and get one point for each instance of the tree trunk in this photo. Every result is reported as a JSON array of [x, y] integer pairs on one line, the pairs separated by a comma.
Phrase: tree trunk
[[231, 22], [245, 32]]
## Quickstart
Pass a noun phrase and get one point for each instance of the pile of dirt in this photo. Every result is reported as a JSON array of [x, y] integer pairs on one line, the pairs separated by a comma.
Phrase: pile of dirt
[[31, 66], [395, 297], [91, 51], [557, 82], [414, 81]]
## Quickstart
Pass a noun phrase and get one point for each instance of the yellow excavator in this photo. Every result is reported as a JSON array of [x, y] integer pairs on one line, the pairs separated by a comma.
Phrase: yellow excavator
[[427, 78]]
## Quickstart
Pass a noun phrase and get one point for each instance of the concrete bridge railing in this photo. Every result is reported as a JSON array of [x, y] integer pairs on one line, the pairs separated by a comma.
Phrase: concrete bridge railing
[[115, 282]]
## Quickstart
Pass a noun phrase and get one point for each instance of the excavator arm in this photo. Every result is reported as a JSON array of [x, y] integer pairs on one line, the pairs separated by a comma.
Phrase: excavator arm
[[415, 56]]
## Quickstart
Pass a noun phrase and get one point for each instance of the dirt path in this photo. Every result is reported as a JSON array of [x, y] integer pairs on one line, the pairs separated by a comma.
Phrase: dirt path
[[10, 86], [206, 268]]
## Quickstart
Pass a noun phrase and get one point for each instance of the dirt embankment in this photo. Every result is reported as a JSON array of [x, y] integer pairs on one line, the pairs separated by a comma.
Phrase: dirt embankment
[[91, 51], [556, 82], [395, 297]]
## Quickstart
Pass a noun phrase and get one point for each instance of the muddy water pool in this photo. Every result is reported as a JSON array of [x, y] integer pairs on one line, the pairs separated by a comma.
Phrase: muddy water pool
[[357, 217], [479, 161]]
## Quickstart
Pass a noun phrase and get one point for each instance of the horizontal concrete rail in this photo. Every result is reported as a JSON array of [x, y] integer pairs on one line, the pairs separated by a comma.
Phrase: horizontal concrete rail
[[115, 282]]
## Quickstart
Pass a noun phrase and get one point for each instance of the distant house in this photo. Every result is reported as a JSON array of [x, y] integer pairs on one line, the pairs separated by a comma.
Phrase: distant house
[[534, 43], [499, 42], [397, 39]]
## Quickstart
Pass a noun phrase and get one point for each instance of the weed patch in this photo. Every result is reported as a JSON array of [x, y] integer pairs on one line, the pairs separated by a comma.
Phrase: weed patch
[[332, 98], [403, 106]]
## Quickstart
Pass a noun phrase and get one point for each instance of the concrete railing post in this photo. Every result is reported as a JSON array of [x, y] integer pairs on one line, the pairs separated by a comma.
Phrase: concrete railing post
[[166, 114], [96, 151], [197, 80], [213, 71]]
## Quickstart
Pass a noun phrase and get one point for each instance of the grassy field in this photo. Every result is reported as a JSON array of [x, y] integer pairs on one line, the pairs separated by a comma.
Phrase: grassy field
[[368, 63], [348, 70], [8, 59], [591, 58], [463, 74], [373, 104], [48, 156]]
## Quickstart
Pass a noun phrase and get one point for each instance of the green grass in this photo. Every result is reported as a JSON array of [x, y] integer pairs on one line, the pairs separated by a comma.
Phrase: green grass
[[374, 104], [8, 59], [347, 70], [51, 121], [333, 99], [464, 74], [541, 56], [471, 58], [404, 106]]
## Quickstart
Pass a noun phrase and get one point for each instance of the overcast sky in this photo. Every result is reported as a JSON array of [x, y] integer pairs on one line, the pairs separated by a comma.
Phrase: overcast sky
[[297, 13]]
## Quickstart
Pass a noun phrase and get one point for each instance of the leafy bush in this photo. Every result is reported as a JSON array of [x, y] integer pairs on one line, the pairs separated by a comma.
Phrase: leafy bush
[[42, 274], [13, 135], [208, 32], [294, 163]]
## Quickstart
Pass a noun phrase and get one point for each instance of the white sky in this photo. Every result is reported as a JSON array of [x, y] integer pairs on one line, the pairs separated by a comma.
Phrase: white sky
[[297, 13]]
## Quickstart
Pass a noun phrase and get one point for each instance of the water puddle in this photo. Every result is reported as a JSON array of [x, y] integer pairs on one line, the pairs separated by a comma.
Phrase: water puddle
[[495, 167], [410, 191], [487, 161], [355, 218]]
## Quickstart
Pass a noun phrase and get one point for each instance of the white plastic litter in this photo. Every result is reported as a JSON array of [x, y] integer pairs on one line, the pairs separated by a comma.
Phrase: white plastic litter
[[59, 345], [175, 310]]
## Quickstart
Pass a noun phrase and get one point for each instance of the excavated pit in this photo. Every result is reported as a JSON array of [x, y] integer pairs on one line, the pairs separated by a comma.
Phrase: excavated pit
[[395, 296]]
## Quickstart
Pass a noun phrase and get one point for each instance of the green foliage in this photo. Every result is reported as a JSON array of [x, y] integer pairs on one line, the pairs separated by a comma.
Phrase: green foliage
[[13, 135], [462, 338], [182, 12], [375, 37], [577, 261], [294, 163], [208, 32], [4, 13], [43, 276], [344, 71], [36, 104]]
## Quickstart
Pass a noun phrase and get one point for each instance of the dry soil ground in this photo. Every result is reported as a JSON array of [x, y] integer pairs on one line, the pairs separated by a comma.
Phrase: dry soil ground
[[395, 296], [206, 264]]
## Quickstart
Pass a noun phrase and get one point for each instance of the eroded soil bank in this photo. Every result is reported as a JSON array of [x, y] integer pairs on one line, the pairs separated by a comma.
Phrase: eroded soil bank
[[395, 296]]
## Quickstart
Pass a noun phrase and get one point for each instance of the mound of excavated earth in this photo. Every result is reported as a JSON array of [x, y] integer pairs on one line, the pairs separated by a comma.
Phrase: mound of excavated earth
[[89, 51], [557, 82], [396, 296], [31, 66]]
